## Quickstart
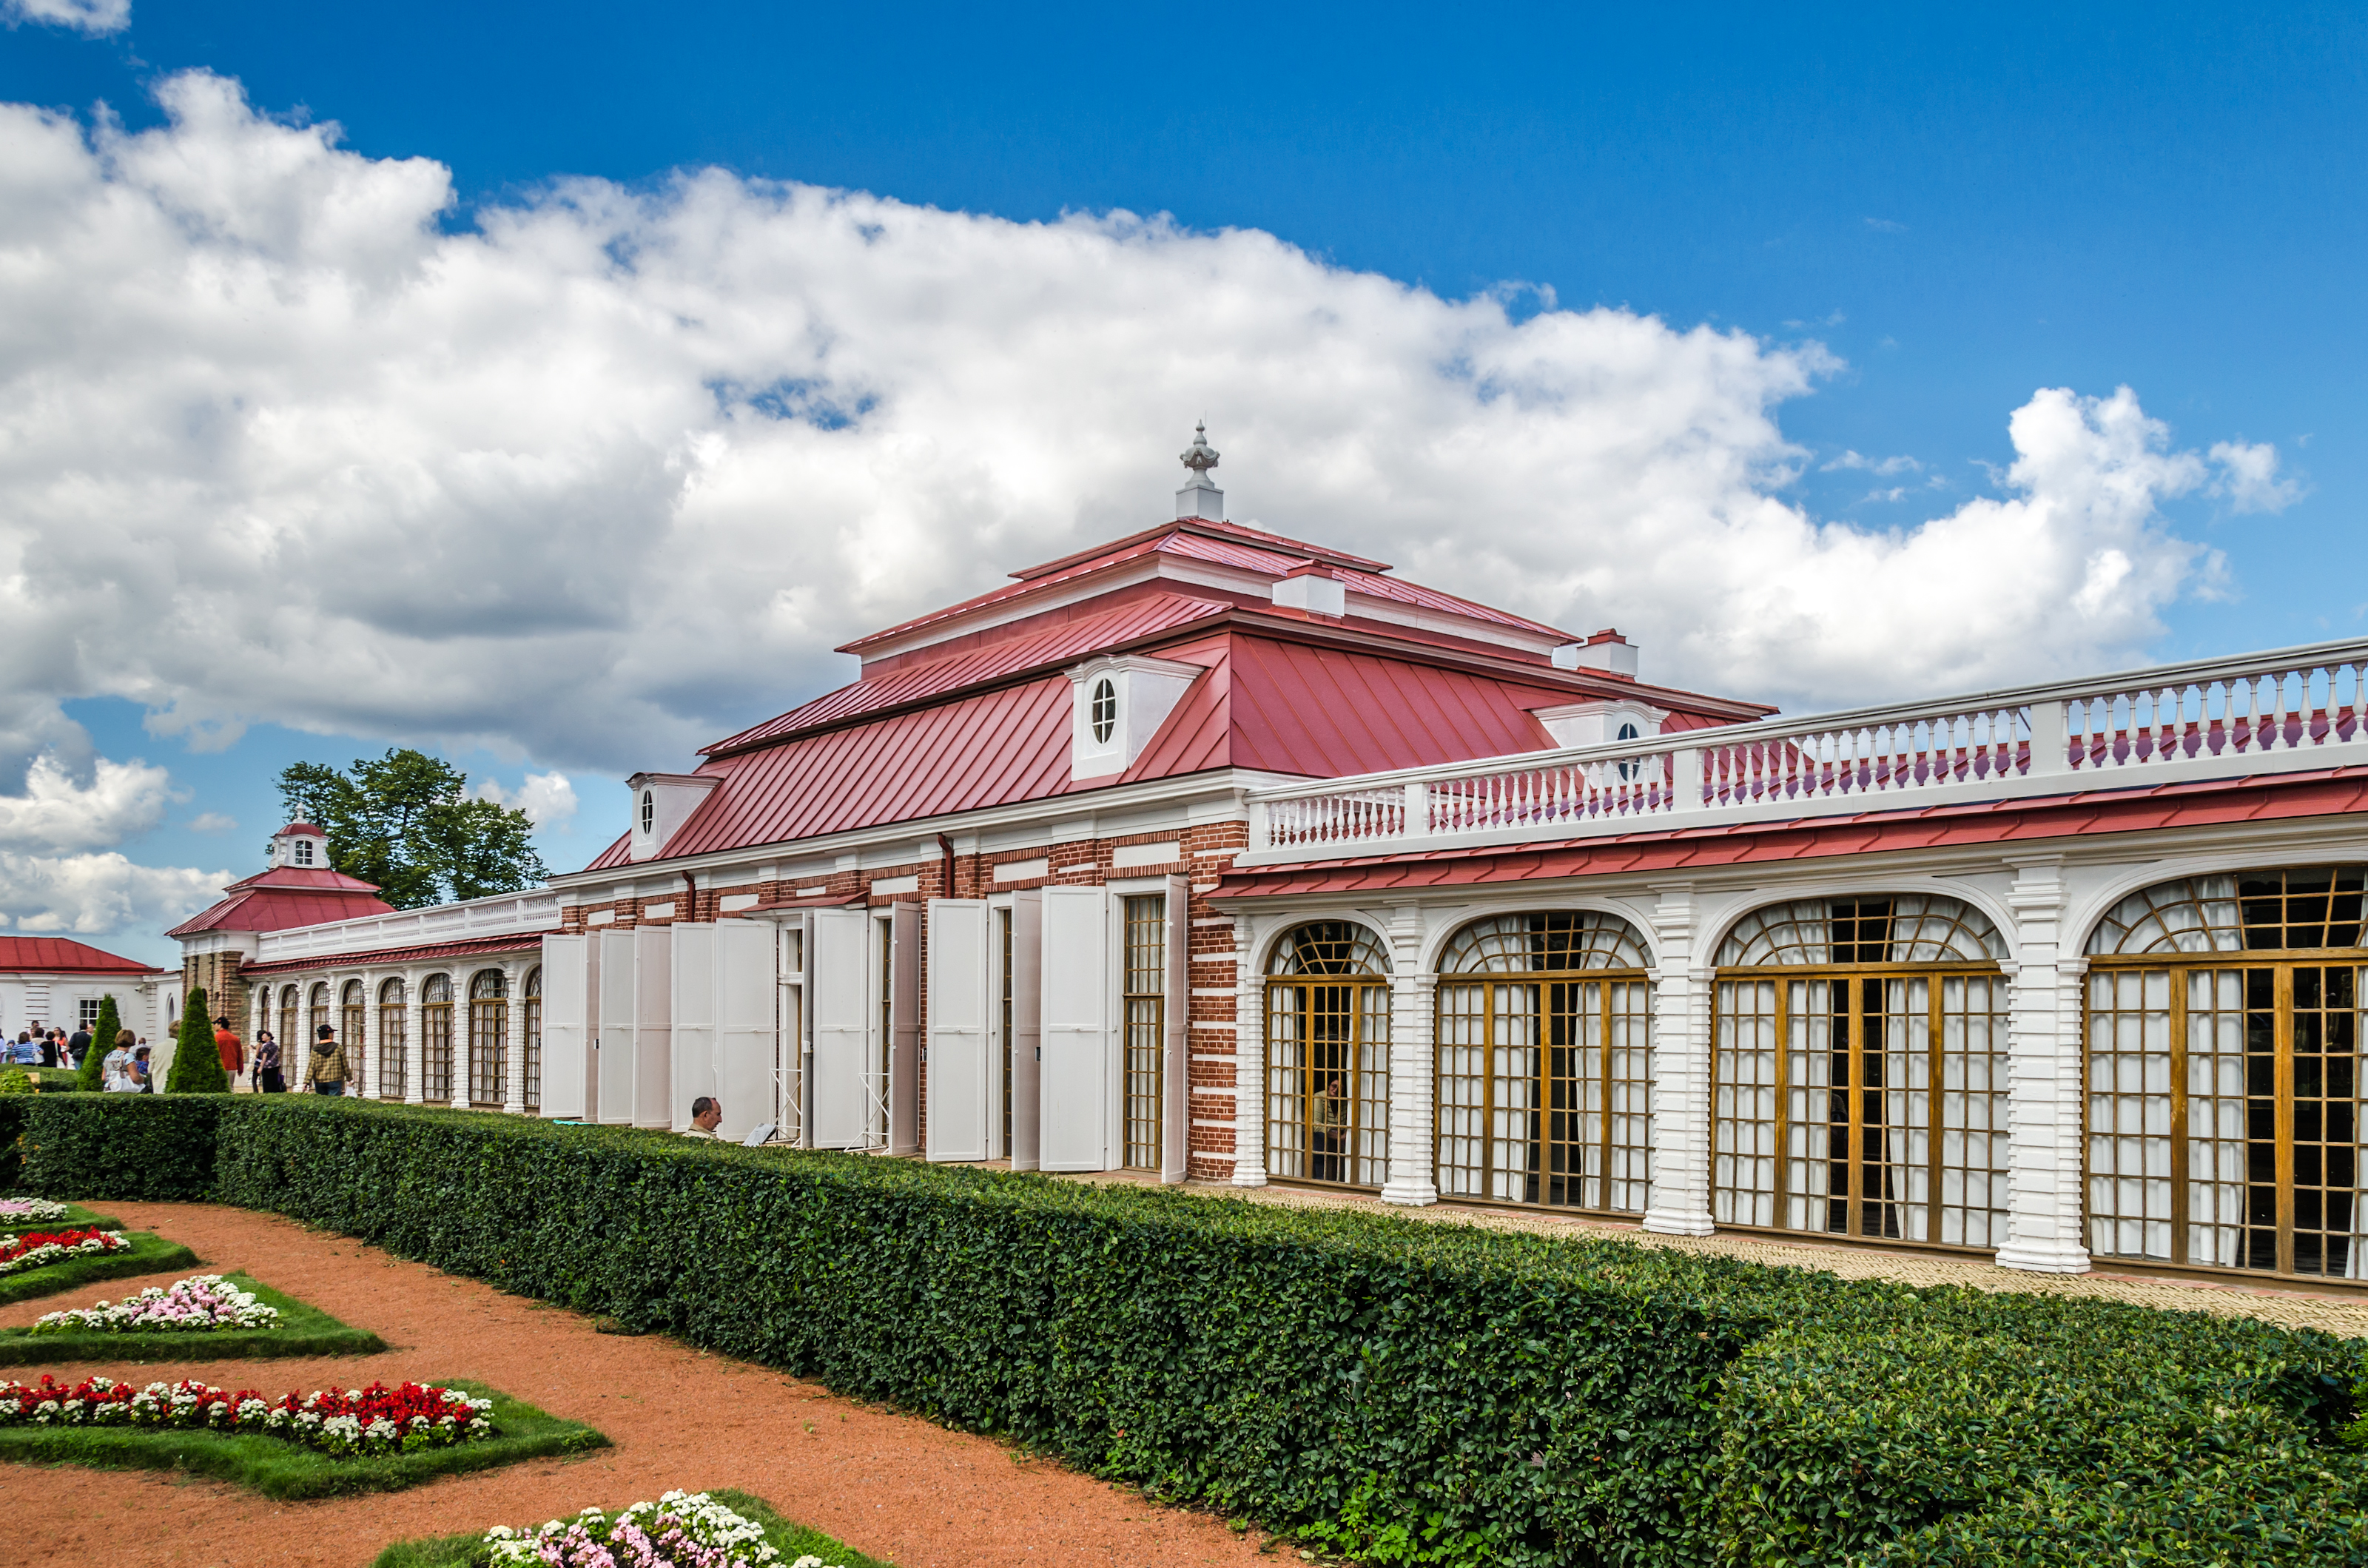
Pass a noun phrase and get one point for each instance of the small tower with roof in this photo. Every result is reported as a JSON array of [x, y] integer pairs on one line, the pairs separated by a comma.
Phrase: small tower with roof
[[300, 845]]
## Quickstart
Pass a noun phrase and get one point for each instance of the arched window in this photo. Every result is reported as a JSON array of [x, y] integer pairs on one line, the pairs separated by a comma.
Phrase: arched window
[[488, 1040], [1858, 1070], [1105, 710], [436, 1040], [351, 1006], [1328, 1056], [291, 1060], [391, 1039], [2224, 1075], [1545, 1080], [649, 811], [530, 1032]]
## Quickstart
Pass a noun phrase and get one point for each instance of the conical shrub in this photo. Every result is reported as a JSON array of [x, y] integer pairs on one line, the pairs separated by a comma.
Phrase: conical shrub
[[102, 1041], [197, 1060]]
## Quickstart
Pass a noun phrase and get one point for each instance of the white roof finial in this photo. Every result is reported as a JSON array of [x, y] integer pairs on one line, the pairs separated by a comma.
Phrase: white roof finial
[[1201, 498]]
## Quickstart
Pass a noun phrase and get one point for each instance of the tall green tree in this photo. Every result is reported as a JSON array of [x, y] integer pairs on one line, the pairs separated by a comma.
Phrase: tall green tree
[[197, 1060], [102, 1041], [406, 823]]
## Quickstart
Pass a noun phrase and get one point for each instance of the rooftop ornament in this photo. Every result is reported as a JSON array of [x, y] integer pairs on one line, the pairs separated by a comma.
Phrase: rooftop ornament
[[1201, 498]]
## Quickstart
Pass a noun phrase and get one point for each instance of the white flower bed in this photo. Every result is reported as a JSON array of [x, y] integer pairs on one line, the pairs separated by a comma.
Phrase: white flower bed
[[681, 1529], [30, 1211], [195, 1305]]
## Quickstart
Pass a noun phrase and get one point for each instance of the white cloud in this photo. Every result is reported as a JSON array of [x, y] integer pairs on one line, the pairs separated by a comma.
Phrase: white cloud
[[610, 471], [2249, 477], [212, 821], [96, 18], [1849, 459], [57, 811], [91, 895], [547, 799]]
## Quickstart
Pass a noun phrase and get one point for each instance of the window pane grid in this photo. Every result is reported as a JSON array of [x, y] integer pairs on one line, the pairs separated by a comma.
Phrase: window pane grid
[[1146, 1014], [436, 1040], [1743, 1087], [1327, 1084], [391, 1040], [532, 1031]]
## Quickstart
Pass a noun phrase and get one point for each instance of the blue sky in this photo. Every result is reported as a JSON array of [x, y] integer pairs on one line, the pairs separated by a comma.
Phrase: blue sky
[[1954, 209]]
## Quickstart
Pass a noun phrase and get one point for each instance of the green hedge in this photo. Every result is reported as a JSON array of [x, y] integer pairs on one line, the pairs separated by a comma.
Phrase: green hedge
[[1410, 1392]]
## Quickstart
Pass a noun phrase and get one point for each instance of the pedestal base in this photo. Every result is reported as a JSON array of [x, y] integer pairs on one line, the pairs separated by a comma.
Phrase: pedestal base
[[1250, 1179], [1678, 1222], [2044, 1258], [1409, 1194]]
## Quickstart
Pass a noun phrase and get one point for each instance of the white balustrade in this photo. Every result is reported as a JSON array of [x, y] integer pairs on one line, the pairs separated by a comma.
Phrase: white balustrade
[[2289, 710], [498, 915]]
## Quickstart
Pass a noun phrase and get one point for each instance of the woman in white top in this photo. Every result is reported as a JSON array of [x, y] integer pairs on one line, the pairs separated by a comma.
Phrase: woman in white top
[[115, 1072]]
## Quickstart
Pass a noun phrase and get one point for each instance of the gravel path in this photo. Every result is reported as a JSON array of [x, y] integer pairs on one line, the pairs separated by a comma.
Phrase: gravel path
[[898, 1488]]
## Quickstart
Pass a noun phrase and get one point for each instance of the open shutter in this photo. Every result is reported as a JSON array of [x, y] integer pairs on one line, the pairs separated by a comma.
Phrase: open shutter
[[1078, 1037], [904, 1030], [1176, 1062], [570, 1006], [691, 1045], [1027, 1029], [839, 1001], [653, 1026], [617, 1011], [958, 1076], [747, 1039]]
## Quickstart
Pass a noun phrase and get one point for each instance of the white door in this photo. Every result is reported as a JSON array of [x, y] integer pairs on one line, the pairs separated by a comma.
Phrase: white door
[[1077, 1075], [569, 1008], [618, 1012], [746, 1039], [691, 983], [959, 1078], [653, 1026], [841, 1001]]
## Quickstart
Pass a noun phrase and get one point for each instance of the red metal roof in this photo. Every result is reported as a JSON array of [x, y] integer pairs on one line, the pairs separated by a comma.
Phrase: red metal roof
[[433, 952], [286, 896], [2334, 792], [1323, 711], [61, 955], [1047, 647]]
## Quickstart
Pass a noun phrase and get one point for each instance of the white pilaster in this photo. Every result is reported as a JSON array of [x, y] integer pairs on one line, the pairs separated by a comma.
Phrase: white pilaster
[[2044, 1080], [296, 1070], [370, 1072], [415, 1039], [1249, 1063], [260, 994], [1681, 993], [514, 1036], [1412, 1016]]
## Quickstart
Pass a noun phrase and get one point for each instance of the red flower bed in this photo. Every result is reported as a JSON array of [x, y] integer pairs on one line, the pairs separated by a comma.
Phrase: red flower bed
[[373, 1420], [35, 1249]]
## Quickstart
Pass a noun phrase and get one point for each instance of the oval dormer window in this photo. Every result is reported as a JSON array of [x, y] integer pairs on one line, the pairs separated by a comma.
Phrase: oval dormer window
[[304, 851], [1105, 714], [1629, 769], [649, 810]]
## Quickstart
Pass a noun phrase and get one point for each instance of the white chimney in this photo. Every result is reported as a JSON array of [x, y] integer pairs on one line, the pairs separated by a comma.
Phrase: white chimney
[[1310, 588], [1606, 653], [1200, 497]]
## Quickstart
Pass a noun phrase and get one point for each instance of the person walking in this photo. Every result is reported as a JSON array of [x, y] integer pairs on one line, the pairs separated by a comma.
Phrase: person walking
[[267, 1078], [78, 1044], [49, 1049], [233, 1050], [326, 1074], [142, 1080]]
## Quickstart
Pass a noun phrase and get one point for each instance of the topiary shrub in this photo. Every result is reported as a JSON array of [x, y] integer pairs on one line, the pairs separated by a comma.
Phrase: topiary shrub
[[197, 1060]]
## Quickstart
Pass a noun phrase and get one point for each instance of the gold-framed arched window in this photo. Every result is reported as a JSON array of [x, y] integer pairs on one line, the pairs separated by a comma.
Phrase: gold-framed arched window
[[488, 1039], [1327, 1055], [2225, 1077], [531, 1035], [1858, 1070], [1545, 1072], [393, 1037], [350, 1009], [291, 1048], [436, 1040]]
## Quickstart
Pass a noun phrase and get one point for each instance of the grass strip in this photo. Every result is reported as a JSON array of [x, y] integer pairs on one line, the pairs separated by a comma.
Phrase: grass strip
[[303, 1329], [791, 1539], [148, 1254], [78, 1217], [280, 1469]]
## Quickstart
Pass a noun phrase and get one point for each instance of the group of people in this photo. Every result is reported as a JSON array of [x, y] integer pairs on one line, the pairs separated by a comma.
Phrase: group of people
[[41, 1045], [325, 1073]]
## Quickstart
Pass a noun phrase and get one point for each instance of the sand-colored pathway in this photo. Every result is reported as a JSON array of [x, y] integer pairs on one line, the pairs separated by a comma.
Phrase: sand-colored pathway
[[895, 1487]]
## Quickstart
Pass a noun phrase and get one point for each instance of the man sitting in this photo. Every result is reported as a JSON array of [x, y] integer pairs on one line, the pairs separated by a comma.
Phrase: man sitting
[[706, 1112]]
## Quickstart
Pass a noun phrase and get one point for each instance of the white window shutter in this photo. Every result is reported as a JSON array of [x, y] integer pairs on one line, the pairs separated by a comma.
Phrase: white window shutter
[[618, 1012], [692, 1045], [570, 1008], [653, 1026], [840, 998], [958, 1076], [1176, 1049], [1077, 1040], [748, 1041], [1027, 1029], [904, 1029]]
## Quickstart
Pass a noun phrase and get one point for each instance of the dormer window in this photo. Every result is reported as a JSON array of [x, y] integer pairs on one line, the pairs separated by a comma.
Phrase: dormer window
[[663, 803], [303, 852], [1601, 722], [1105, 712], [649, 810]]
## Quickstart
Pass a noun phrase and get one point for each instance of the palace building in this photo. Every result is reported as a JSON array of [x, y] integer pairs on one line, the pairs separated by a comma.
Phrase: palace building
[[1227, 857]]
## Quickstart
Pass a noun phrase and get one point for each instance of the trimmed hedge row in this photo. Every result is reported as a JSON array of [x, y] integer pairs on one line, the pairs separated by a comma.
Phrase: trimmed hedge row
[[1410, 1392]]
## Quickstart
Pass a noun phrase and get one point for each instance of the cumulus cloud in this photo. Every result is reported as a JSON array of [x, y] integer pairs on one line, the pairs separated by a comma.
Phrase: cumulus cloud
[[602, 473], [59, 812], [213, 822], [1850, 459], [2249, 477], [547, 799], [96, 17], [90, 895]]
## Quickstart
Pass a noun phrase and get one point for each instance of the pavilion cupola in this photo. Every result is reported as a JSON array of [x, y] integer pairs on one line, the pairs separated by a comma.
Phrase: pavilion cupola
[[1201, 498], [300, 845]]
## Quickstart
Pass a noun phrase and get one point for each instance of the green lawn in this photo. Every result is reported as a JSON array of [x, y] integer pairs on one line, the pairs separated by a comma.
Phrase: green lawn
[[793, 1540], [303, 1329], [78, 1217], [148, 1254], [278, 1467]]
